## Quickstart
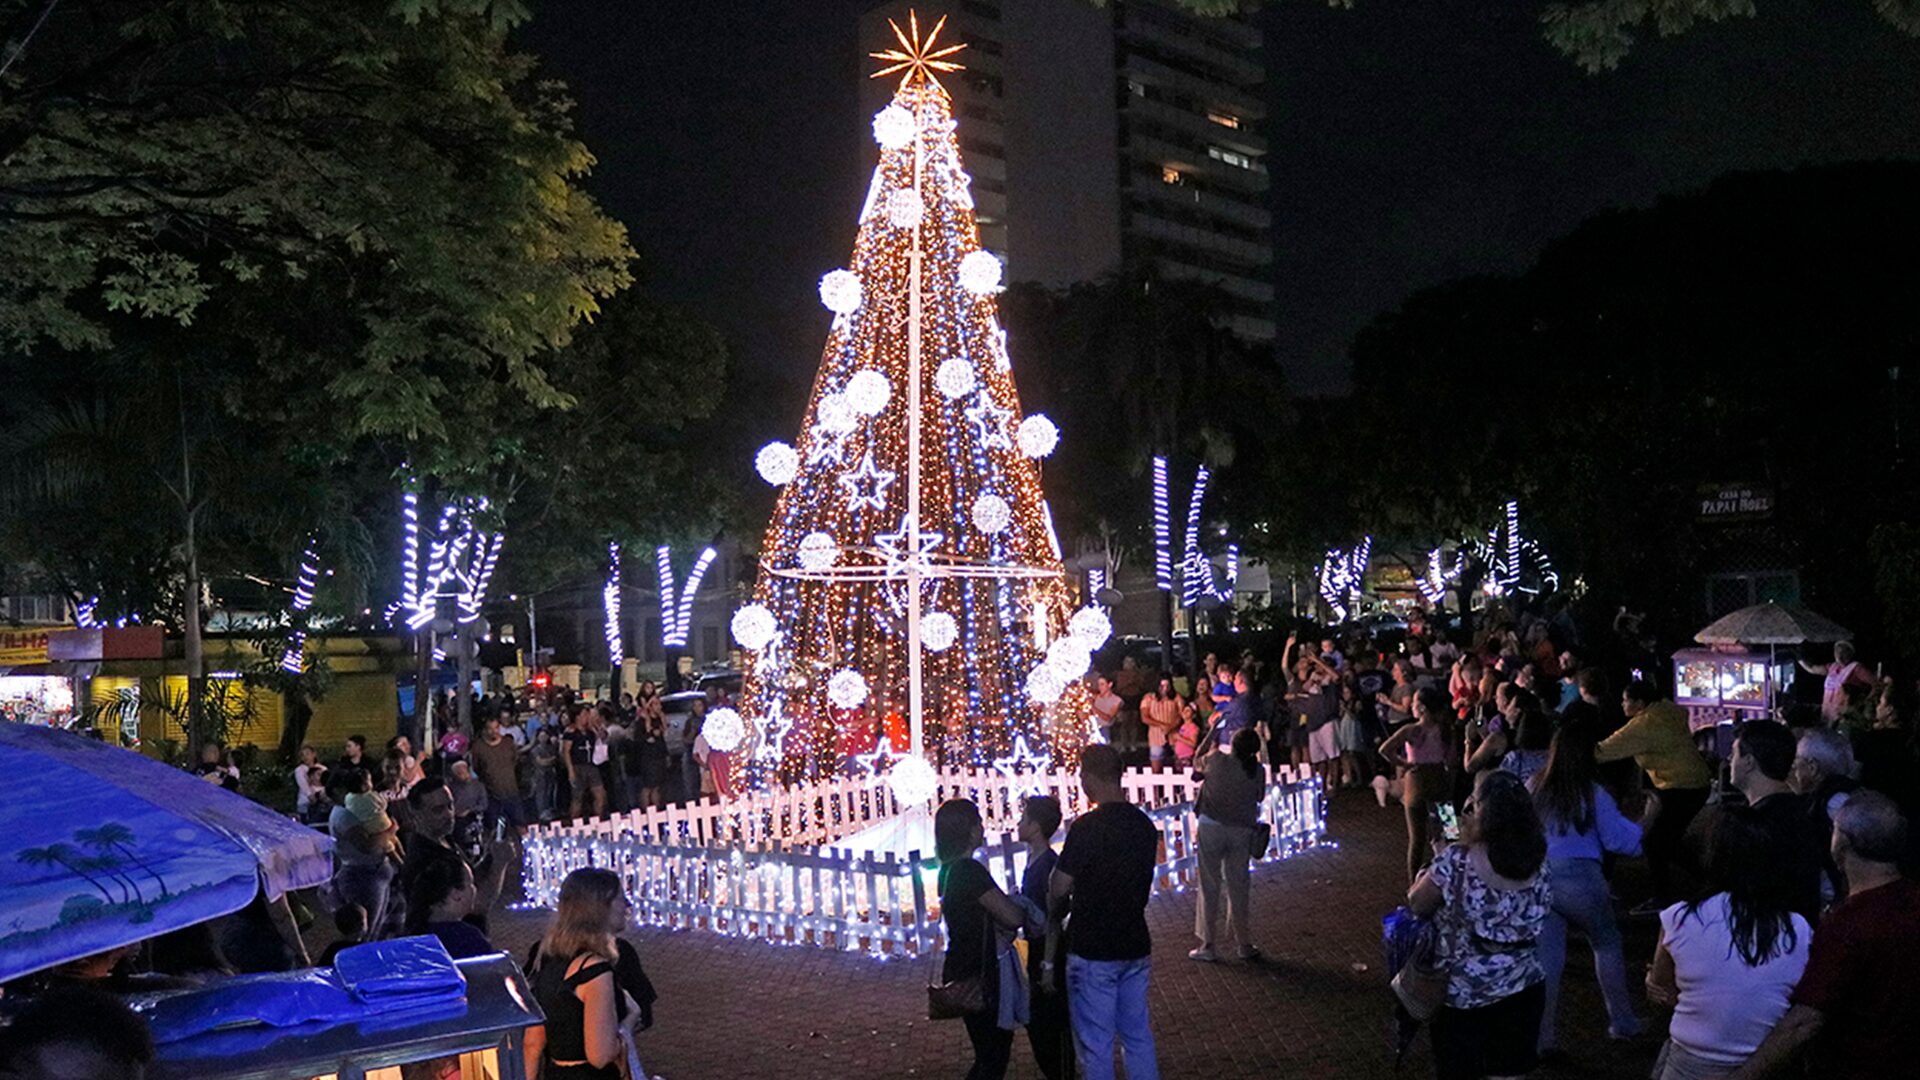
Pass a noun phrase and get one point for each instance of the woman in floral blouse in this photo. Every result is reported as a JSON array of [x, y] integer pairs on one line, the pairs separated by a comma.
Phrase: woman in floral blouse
[[1489, 896]]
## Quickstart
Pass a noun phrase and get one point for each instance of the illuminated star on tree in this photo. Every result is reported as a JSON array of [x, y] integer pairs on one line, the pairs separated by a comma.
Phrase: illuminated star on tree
[[867, 485], [827, 446], [918, 57], [870, 763], [1022, 759], [899, 556], [990, 422], [773, 736]]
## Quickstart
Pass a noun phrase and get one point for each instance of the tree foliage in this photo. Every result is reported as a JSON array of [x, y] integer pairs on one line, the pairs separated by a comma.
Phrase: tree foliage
[[379, 202], [1751, 333], [1130, 366], [308, 249]]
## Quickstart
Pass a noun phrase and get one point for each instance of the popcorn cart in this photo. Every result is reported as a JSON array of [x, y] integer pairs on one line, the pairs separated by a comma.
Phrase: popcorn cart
[[1728, 684], [1733, 679]]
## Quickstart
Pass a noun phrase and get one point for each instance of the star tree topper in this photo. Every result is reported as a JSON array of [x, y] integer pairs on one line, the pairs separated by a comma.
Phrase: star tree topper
[[919, 57]]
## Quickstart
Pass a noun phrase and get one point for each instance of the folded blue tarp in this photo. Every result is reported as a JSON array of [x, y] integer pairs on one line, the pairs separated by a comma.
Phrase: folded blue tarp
[[401, 968], [414, 975]]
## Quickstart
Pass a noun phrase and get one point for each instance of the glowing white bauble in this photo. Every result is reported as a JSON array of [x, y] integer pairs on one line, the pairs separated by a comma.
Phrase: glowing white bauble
[[1069, 656], [1036, 436], [847, 689], [1045, 685], [980, 273], [724, 730], [836, 415], [904, 208], [938, 631], [753, 627], [868, 392], [818, 551], [913, 781], [1091, 626], [840, 291], [991, 514], [777, 463], [893, 127], [956, 377]]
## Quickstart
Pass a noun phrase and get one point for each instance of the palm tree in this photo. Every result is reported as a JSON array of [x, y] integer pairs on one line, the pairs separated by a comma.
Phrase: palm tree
[[115, 836], [63, 856], [109, 866]]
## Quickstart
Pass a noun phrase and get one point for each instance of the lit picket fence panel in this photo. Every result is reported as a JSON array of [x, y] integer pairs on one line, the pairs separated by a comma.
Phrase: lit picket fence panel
[[766, 867]]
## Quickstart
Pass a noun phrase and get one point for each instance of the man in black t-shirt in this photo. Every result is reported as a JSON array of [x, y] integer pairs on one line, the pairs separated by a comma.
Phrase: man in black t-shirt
[[1100, 890]]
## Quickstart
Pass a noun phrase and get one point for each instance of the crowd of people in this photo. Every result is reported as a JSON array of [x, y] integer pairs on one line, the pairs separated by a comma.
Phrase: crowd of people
[[1528, 786], [1773, 871], [1532, 796]]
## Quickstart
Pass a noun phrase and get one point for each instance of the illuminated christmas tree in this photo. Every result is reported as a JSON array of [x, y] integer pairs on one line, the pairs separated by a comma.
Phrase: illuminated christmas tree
[[910, 581]]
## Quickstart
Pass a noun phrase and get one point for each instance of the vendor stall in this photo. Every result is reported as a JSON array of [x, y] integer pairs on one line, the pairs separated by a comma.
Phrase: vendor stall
[[1747, 668], [1728, 684]]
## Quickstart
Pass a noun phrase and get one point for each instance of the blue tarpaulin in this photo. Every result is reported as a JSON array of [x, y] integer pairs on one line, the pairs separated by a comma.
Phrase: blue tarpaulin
[[413, 976], [102, 847]]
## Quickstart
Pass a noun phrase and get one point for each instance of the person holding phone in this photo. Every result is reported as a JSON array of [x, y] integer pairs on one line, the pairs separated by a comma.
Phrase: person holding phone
[[1419, 751]]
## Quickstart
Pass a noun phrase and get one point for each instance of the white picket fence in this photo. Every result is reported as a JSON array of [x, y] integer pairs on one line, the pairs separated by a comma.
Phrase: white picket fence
[[724, 867], [818, 814]]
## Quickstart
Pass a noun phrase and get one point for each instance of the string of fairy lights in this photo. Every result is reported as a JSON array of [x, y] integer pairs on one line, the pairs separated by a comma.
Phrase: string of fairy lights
[[849, 547]]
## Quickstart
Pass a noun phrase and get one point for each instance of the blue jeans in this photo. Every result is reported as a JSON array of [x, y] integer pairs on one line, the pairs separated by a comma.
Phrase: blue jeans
[[1580, 897], [1108, 1000]]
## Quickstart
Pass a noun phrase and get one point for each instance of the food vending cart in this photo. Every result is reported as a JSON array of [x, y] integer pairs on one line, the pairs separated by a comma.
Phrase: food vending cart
[[1746, 668], [1728, 684]]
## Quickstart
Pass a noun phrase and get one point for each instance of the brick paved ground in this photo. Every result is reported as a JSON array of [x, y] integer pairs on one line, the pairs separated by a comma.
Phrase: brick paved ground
[[1317, 1007]]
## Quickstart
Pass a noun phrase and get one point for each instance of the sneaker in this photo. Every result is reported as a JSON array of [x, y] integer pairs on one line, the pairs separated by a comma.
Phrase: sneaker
[[1203, 954], [1249, 953]]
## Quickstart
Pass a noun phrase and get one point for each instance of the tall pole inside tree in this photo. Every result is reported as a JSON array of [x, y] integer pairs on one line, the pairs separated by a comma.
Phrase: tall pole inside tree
[[463, 639], [915, 698]]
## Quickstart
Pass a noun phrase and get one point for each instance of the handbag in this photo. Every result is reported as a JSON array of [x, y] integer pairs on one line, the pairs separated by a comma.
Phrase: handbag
[[1421, 985], [1420, 977], [961, 997], [1260, 836]]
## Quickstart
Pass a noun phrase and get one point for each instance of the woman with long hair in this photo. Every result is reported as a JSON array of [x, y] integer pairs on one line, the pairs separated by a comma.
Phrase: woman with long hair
[[1489, 896], [573, 979], [1419, 751], [1232, 784], [1163, 710], [1727, 962], [1583, 825], [975, 911], [1532, 736]]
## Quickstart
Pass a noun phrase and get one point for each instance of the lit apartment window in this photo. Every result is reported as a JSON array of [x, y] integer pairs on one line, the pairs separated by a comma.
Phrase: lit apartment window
[[1169, 175], [1238, 161], [1225, 120]]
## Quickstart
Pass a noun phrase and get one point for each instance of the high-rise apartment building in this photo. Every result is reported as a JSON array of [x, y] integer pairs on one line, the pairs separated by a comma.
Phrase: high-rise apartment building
[[1102, 135]]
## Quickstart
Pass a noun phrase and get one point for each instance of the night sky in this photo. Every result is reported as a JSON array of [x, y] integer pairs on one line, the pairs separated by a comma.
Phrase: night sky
[[1413, 141]]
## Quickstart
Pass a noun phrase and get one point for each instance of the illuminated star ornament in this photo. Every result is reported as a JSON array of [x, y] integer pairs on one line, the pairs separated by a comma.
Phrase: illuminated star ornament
[[870, 763], [867, 486], [990, 423], [919, 57], [898, 553]]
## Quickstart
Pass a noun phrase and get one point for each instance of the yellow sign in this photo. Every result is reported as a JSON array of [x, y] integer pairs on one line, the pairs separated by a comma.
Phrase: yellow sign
[[18, 647]]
